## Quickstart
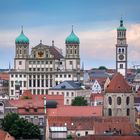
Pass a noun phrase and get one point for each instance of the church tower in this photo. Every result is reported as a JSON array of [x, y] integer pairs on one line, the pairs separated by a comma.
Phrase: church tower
[[72, 52], [22, 51], [121, 50]]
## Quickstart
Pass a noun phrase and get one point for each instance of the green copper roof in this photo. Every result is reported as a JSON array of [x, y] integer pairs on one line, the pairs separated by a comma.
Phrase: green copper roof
[[72, 38], [22, 38], [121, 25]]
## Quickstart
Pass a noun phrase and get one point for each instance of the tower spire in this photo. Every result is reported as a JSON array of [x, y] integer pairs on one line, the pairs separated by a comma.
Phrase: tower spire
[[22, 29], [121, 22], [72, 28]]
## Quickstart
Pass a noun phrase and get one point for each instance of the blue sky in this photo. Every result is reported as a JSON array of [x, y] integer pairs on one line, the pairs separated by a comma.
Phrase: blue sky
[[94, 22]]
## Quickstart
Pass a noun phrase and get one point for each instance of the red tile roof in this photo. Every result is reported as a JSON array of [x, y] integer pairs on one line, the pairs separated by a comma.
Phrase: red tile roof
[[5, 136], [94, 137], [119, 123], [118, 85], [76, 111], [94, 96], [4, 76], [34, 101]]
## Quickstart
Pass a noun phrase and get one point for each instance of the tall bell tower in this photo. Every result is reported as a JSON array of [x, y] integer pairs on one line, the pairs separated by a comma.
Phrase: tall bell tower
[[121, 50]]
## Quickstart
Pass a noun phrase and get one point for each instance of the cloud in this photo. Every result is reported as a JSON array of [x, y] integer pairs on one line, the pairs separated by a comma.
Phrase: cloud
[[97, 47]]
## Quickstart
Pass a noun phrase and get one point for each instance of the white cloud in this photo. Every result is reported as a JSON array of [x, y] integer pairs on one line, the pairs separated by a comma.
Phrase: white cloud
[[94, 44]]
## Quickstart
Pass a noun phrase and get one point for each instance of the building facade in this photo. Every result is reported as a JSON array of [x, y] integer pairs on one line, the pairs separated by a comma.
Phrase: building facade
[[119, 99], [45, 67], [121, 50]]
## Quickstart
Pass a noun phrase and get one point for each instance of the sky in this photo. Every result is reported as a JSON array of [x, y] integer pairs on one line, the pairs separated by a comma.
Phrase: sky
[[95, 23]]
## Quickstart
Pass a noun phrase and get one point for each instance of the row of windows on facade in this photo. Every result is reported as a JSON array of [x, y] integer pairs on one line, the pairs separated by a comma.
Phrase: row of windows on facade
[[38, 62], [40, 69], [40, 83], [110, 112], [34, 91], [72, 51], [119, 100], [121, 50], [30, 76], [68, 94], [33, 83], [121, 34]]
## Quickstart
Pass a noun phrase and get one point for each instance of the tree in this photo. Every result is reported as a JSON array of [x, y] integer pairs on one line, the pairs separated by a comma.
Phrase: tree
[[19, 127], [102, 68], [79, 101]]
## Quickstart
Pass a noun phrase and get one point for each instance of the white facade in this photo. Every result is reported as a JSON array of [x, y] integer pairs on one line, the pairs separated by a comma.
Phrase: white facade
[[96, 88], [45, 67], [69, 95]]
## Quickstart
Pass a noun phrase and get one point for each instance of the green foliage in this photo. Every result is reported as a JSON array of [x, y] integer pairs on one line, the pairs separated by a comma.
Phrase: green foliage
[[26, 97], [102, 68], [79, 101], [19, 127], [69, 137]]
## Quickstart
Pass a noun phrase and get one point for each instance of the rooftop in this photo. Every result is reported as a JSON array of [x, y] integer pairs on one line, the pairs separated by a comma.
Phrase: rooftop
[[118, 85]]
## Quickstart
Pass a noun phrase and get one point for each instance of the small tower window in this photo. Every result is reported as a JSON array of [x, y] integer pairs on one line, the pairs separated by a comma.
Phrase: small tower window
[[121, 66], [127, 100], [128, 112], [119, 50], [122, 50], [110, 100], [109, 112], [119, 100]]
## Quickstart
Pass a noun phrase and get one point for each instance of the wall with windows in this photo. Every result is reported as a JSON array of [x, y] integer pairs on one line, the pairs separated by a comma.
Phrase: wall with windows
[[119, 104]]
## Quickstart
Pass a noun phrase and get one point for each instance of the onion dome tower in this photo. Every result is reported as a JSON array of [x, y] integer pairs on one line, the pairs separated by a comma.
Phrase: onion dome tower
[[22, 45], [72, 52], [22, 50], [72, 45]]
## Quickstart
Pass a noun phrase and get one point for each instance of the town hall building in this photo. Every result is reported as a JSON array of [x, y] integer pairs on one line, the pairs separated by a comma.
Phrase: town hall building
[[45, 67]]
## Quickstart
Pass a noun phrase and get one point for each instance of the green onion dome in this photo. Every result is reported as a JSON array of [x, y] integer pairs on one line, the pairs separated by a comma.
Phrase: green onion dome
[[22, 38], [72, 39], [121, 27]]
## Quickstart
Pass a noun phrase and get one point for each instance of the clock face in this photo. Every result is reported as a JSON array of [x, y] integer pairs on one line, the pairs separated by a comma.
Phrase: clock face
[[121, 57]]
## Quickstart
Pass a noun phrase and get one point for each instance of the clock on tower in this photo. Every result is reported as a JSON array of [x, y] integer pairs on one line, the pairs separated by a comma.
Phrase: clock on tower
[[121, 50]]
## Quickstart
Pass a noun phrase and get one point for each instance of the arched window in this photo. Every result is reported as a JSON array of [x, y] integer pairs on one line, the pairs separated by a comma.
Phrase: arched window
[[109, 112], [119, 50], [127, 100], [122, 50], [128, 112], [118, 100], [110, 100]]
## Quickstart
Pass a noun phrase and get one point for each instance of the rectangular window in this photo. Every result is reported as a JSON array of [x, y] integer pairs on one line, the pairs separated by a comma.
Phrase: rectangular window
[[30, 83], [42, 83], [121, 66], [38, 83], [34, 69], [70, 62], [34, 83], [12, 83], [42, 69], [30, 69], [20, 62], [69, 75], [50, 62], [12, 92], [24, 83]]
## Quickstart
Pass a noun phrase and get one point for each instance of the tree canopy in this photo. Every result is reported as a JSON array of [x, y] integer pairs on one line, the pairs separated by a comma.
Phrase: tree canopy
[[79, 101], [19, 127], [102, 68]]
